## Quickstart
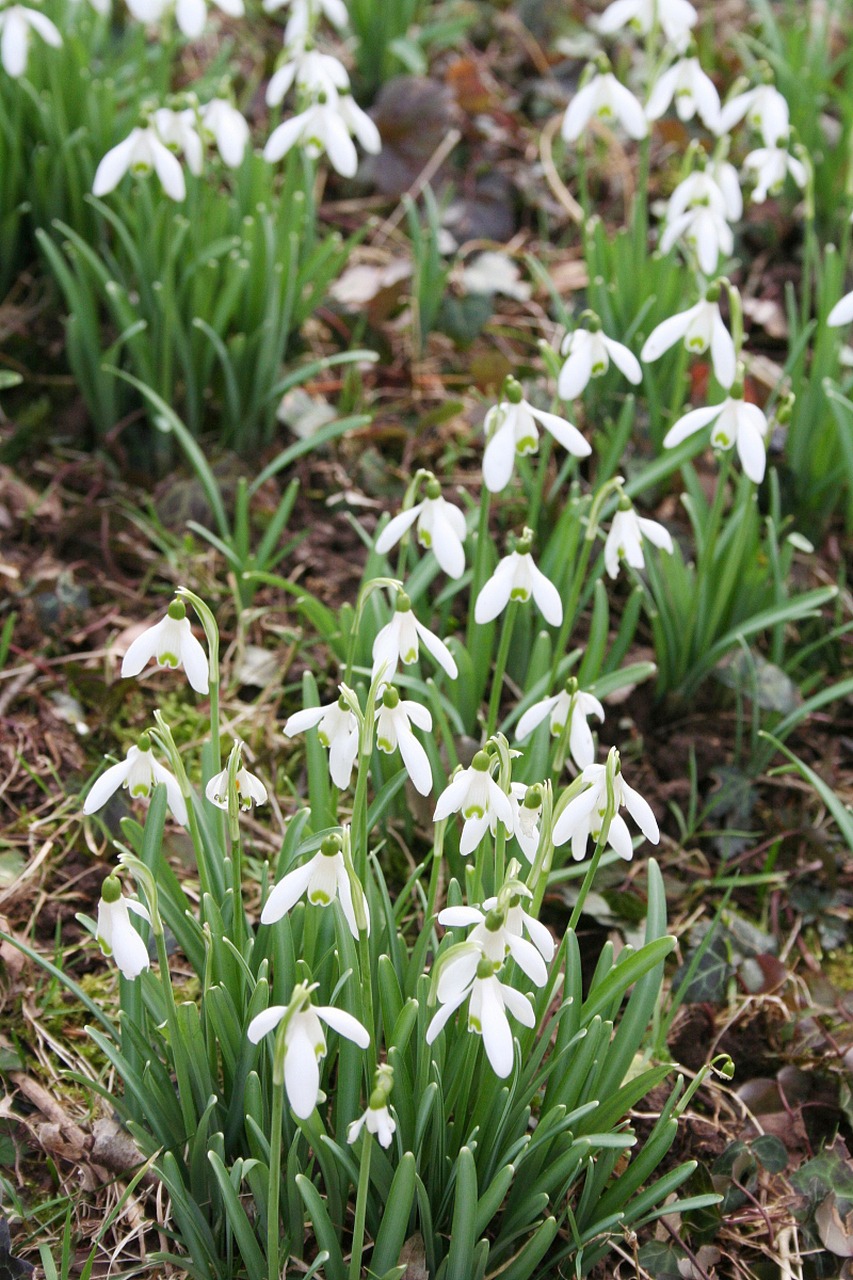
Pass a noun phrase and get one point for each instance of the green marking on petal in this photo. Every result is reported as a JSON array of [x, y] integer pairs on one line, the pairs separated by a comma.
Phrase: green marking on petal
[[324, 737], [474, 1024], [473, 811], [598, 368], [410, 656], [519, 593], [141, 789], [425, 537], [170, 660], [384, 745], [527, 444], [319, 898]]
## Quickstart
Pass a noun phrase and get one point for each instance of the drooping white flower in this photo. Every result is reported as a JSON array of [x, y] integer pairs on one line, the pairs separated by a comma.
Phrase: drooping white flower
[[676, 18], [326, 126], [312, 72], [769, 166], [223, 124], [526, 812], [140, 152], [570, 706], [379, 1122], [842, 312], [472, 978], [693, 91], [701, 327], [377, 1117], [608, 100], [518, 578], [337, 729], [305, 13], [625, 539], [16, 23], [115, 932], [715, 186], [588, 354], [190, 15], [322, 878], [440, 527], [394, 720], [737, 422], [707, 233], [171, 643], [475, 794], [581, 819], [399, 641], [511, 429], [766, 110], [250, 789], [139, 772], [495, 940], [518, 921], [177, 129], [305, 1044]]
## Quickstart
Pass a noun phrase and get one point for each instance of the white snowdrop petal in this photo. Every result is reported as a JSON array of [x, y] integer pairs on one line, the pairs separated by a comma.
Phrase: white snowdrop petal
[[518, 1005], [106, 785], [177, 803], [344, 1023], [416, 761], [437, 649], [395, 528], [287, 892], [695, 420], [625, 360], [547, 597], [452, 797], [577, 370], [578, 112], [168, 170], [534, 716], [842, 312], [444, 1014], [641, 811], [265, 1021], [666, 334], [656, 533], [497, 1035], [619, 838], [301, 1070]]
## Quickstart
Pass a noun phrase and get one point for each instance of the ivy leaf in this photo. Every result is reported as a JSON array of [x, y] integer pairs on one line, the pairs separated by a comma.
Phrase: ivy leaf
[[11, 1268]]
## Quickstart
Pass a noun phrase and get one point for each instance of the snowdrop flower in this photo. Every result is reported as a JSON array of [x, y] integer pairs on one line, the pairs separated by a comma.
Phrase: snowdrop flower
[[766, 110], [588, 354], [769, 166], [326, 126], [337, 729], [304, 15], [510, 428], [171, 643], [475, 794], [472, 978], [582, 816], [608, 100], [190, 15], [440, 527], [737, 422], [705, 230], [518, 921], [377, 1117], [141, 151], [313, 72], [676, 18], [526, 811], [223, 124], [115, 932], [250, 789], [16, 23], [716, 186], [625, 539], [178, 130], [701, 327], [394, 720], [305, 1043], [570, 707], [323, 878], [842, 312], [692, 90], [518, 578], [139, 772], [399, 640], [494, 940]]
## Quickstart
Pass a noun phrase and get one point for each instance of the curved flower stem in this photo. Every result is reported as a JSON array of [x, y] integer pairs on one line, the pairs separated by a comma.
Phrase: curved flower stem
[[480, 561], [500, 667], [360, 1208], [367, 1003]]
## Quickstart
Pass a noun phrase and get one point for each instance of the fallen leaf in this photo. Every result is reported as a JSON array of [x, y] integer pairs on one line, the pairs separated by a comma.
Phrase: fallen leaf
[[836, 1233]]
